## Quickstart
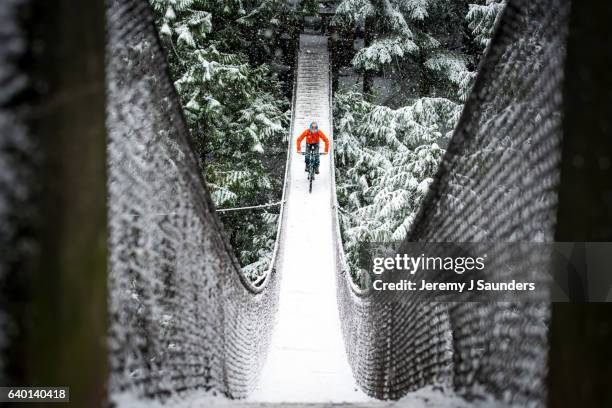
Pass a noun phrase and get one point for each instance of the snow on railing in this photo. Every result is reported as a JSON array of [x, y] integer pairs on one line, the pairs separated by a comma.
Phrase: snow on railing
[[182, 314], [480, 350]]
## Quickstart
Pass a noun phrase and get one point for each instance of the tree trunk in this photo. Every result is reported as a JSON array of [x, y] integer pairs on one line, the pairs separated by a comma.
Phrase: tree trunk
[[425, 80], [368, 76], [425, 77]]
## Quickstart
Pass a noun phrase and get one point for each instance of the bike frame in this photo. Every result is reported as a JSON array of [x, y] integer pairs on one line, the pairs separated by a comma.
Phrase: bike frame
[[311, 167]]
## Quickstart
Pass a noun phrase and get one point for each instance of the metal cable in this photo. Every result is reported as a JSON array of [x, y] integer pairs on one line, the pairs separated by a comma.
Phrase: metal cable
[[250, 207]]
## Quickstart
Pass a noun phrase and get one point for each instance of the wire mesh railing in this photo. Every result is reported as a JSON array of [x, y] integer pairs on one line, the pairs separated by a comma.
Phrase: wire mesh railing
[[497, 182], [182, 314]]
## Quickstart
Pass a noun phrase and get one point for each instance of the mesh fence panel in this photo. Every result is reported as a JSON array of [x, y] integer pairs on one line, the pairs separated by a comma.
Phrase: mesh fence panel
[[497, 183], [182, 314]]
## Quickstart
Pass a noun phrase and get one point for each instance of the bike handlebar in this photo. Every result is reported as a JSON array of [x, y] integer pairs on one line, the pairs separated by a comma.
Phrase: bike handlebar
[[319, 153]]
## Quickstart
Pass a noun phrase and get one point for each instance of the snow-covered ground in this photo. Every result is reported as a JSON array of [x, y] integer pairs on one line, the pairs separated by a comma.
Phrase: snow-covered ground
[[428, 397], [307, 361]]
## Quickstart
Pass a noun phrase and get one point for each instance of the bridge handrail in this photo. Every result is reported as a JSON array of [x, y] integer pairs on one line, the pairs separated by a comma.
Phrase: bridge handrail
[[183, 315], [399, 346]]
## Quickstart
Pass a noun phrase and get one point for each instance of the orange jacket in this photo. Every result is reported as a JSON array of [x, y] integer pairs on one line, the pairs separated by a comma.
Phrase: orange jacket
[[312, 138]]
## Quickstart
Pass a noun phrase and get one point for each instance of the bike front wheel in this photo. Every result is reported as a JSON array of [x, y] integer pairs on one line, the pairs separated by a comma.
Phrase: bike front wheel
[[310, 178]]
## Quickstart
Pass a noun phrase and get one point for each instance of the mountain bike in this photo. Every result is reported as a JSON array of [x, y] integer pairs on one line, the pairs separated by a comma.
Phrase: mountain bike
[[311, 167]]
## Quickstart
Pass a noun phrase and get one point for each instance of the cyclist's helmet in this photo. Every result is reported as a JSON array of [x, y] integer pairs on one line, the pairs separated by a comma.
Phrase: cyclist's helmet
[[314, 128]]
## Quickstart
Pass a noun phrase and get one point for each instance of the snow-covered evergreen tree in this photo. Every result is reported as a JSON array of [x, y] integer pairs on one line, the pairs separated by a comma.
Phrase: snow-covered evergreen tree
[[386, 158], [400, 34], [385, 161], [437, 40], [482, 17], [236, 112], [388, 34]]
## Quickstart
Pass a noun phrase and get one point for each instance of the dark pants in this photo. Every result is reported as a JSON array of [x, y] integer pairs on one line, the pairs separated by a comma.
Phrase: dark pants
[[312, 148]]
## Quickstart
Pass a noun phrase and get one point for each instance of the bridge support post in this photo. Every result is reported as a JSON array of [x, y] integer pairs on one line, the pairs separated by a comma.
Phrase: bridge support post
[[580, 334], [54, 286]]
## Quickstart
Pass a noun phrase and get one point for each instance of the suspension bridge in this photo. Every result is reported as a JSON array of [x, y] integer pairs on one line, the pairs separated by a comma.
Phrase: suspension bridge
[[306, 361], [138, 256]]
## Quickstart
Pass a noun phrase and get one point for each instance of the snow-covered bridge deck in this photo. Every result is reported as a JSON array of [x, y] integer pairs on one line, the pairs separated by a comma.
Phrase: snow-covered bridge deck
[[307, 361]]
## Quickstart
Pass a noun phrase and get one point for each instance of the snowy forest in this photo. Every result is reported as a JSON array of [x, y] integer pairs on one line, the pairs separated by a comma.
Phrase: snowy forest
[[401, 72], [224, 58], [400, 96]]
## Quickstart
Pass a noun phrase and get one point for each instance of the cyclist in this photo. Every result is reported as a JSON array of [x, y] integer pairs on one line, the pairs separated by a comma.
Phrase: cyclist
[[313, 134]]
